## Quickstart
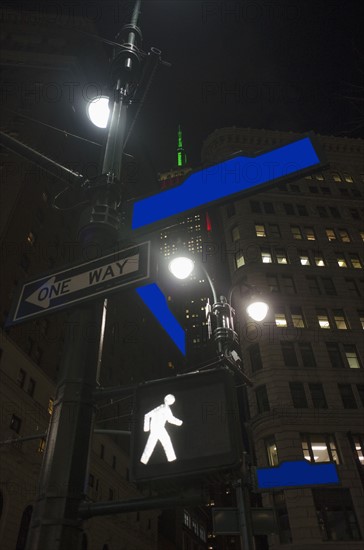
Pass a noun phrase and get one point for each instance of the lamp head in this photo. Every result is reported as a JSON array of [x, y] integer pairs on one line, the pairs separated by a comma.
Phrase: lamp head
[[98, 111], [181, 267], [257, 309]]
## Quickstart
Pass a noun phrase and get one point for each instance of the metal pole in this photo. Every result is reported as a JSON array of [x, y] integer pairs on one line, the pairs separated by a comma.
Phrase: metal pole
[[242, 517], [56, 523]]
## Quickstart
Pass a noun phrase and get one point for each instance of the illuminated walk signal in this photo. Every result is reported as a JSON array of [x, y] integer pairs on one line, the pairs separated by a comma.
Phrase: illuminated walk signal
[[185, 425]]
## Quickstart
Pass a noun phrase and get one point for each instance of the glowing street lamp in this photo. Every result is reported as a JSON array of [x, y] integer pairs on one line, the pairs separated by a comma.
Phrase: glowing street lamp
[[181, 267], [98, 111]]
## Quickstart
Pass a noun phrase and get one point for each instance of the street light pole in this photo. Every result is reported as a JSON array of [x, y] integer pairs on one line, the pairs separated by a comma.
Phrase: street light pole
[[56, 523]]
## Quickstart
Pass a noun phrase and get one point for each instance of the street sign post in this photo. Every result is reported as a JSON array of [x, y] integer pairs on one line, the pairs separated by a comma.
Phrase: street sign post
[[185, 426], [81, 282]]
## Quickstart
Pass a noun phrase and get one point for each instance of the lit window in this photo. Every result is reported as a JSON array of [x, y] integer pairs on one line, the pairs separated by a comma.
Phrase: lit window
[[341, 261], [330, 234], [352, 356], [41, 446], [281, 256], [310, 233], [304, 259], [187, 519], [319, 448], [336, 177], [355, 261], [319, 260], [266, 257], [280, 320], [296, 232], [50, 405], [361, 233], [260, 230], [235, 233], [239, 260], [348, 178], [320, 177], [323, 319], [297, 317], [272, 453], [31, 238], [344, 236], [339, 318], [358, 441]]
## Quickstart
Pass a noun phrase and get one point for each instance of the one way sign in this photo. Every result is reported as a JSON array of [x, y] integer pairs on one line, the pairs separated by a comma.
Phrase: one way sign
[[92, 279]]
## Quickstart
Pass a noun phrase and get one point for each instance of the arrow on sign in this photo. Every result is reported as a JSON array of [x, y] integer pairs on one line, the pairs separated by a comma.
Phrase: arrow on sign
[[42, 296]]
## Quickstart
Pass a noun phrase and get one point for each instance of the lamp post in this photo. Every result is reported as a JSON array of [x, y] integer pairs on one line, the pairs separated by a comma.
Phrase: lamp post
[[56, 523], [221, 315]]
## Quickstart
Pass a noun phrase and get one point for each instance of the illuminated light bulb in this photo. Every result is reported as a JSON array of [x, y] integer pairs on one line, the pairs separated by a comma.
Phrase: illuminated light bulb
[[181, 267], [257, 310], [98, 111]]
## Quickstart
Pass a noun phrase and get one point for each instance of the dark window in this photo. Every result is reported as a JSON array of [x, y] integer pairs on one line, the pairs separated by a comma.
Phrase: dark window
[[289, 354], [102, 451], [335, 212], [255, 357], [230, 209], [298, 395], [302, 210], [333, 350], [274, 230], [31, 387], [294, 188], [21, 377], [308, 358], [272, 282], [289, 209], [352, 287], [360, 389], [335, 514], [91, 480], [84, 543], [262, 399], [347, 396], [114, 462], [328, 286], [318, 396], [354, 213], [24, 528], [15, 423], [268, 207], [326, 190], [313, 189], [111, 494], [279, 501], [255, 207], [321, 210], [25, 262], [288, 285], [313, 285]]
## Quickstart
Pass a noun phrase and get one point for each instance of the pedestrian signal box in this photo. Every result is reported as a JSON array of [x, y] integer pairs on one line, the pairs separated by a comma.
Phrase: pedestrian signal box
[[185, 425]]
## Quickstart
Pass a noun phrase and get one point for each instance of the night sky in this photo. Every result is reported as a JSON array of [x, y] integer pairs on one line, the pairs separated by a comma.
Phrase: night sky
[[283, 65]]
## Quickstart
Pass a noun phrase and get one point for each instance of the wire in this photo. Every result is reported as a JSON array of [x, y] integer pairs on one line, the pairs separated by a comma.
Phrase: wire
[[115, 402], [55, 128]]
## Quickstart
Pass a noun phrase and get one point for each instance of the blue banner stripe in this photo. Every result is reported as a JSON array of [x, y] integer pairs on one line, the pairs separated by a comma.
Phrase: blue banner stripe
[[297, 474], [224, 179], [155, 300]]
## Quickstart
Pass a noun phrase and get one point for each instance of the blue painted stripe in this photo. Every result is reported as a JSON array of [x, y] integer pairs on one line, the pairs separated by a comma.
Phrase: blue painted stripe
[[224, 179], [155, 300], [297, 473]]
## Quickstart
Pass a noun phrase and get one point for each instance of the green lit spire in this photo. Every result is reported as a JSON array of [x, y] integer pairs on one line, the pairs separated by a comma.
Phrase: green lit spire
[[181, 155]]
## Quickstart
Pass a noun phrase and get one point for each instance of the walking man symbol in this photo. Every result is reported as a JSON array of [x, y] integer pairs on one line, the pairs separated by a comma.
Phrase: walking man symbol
[[154, 422]]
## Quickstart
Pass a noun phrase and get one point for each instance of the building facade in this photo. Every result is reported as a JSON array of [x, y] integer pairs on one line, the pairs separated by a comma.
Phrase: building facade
[[301, 243]]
